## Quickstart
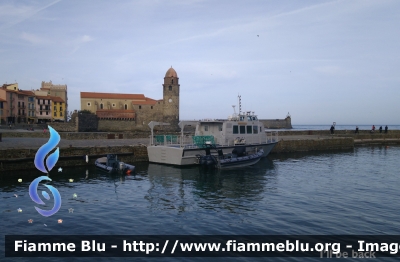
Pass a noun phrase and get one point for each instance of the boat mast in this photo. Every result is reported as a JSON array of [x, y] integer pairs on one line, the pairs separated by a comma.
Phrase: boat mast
[[240, 104]]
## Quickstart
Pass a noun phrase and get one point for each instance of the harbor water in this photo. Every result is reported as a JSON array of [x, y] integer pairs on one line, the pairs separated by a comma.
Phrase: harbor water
[[347, 192]]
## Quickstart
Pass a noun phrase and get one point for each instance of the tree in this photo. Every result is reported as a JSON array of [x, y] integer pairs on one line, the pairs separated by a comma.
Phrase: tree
[[85, 111]]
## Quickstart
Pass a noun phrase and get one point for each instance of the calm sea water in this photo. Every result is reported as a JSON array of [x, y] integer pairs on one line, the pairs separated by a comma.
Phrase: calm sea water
[[348, 192]]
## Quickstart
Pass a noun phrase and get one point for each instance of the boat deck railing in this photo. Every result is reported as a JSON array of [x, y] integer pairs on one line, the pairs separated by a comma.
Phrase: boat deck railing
[[189, 141], [272, 136]]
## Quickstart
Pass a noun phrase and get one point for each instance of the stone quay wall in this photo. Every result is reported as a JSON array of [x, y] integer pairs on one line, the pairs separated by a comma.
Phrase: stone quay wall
[[303, 145], [64, 127], [22, 159]]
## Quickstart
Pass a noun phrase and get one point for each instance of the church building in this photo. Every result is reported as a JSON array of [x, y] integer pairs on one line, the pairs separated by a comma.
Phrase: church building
[[137, 108]]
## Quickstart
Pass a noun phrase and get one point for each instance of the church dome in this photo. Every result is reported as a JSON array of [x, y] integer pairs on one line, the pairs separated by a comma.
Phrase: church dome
[[171, 73]]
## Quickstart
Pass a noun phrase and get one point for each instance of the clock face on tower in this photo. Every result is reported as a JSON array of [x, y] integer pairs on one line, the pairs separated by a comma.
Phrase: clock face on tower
[[170, 100]]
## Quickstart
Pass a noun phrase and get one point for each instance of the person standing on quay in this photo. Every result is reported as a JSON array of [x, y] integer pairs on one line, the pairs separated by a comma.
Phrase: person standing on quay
[[386, 129], [356, 130], [380, 129], [373, 129], [332, 130]]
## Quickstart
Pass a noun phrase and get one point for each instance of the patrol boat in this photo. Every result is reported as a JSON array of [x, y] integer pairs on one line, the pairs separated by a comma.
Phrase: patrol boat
[[239, 130]]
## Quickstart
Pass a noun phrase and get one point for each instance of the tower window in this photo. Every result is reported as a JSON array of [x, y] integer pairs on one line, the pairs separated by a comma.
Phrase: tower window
[[101, 106], [151, 107], [170, 88], [140, 107], [172, 81], [126, 106]]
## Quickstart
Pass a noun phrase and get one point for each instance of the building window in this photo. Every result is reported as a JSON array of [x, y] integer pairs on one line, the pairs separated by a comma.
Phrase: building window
[[206, 128], [47, 113], [151, 107], [55, 108], [140, 107], [242, 129], [101, 106], [40, 112], [48, 101], [172, 81], [40, 107], [55, 103], [1, 105], [55, 114], [220, 128], [60, 113], [88, 104], [235, 129], [170, 88], [60, 108], [113, 105]]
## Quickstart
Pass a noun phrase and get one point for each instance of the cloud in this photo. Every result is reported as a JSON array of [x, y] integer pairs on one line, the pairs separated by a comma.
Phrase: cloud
[[330, 70], [79, 42], [12, 14], [85, 39], [34, 39]]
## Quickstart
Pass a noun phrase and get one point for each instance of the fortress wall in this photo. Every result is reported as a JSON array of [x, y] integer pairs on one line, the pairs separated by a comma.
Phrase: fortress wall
[[277, 123]]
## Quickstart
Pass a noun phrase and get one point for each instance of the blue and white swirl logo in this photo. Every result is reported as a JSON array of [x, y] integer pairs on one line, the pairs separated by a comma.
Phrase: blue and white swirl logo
[[36, 198], [40, 165]]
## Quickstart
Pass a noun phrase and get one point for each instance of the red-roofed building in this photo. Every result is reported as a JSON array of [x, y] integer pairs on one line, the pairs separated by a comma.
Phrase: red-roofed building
[[137, 107]]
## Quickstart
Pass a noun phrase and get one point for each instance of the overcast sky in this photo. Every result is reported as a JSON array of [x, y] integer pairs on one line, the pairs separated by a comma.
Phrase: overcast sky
[[322, 61]]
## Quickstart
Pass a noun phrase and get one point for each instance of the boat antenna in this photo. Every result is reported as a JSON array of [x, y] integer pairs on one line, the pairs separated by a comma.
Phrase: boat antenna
[[240, 104]]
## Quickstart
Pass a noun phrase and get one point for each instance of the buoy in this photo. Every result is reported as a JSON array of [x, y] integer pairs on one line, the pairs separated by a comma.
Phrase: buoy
[[128, 171]]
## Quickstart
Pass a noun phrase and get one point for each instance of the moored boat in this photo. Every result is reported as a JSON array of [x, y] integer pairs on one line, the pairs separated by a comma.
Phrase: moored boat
[[110, 164], [243, 129], [238, 158]]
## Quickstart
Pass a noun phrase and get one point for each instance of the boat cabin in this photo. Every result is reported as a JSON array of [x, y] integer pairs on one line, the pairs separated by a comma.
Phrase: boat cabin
[[240, 129]]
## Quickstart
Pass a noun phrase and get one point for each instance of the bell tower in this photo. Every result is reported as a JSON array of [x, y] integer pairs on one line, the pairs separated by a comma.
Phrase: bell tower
[[171, 98]]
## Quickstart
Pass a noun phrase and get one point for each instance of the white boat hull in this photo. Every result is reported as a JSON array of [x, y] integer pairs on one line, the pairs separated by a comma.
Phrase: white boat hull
[[175, 155]]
